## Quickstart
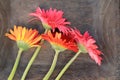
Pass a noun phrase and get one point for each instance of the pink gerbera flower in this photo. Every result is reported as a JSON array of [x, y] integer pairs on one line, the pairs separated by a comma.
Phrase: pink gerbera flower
[[87, 45], [51, 19]]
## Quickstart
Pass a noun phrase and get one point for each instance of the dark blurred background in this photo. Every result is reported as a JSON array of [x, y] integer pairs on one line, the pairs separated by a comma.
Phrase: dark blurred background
[[99, 17]]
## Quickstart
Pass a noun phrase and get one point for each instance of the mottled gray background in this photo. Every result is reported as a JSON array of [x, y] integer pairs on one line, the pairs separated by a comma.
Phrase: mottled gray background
[[99, 17]]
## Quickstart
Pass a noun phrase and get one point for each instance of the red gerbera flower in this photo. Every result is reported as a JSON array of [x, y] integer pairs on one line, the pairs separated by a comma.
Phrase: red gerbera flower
[[87, 45], [60, 41], [51, 19]]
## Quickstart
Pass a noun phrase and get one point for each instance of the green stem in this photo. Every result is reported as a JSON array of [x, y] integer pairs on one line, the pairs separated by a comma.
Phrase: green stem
[[52, 66], [30, 63], [32, 60], [15, 65], [67, 66]]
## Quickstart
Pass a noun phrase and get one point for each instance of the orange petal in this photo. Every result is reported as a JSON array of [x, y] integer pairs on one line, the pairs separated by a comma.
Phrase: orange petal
[[23, 33], [36, 40], [10, 36], [19, 33], [28, 34], [12, 32], [32, 35]]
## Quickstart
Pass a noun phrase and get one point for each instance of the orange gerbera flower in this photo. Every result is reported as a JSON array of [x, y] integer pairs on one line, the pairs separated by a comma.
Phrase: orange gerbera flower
[[51, 19], [60, 41], [25, 38], [87, 45]]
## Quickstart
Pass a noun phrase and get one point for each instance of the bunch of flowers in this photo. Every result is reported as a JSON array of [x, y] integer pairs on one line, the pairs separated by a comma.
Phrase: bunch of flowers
[[64, 38]]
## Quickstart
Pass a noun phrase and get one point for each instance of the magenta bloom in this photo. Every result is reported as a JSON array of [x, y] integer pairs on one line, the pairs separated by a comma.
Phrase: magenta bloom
[[51, 19], [87, 45]]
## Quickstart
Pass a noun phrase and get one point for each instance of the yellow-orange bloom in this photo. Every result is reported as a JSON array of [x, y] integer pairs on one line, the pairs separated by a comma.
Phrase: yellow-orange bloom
[[24, 37]]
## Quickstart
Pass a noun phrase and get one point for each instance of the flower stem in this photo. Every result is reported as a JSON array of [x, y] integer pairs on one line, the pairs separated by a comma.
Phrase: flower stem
[[67, 65], [52, 66], [30, 62], [15, 65]]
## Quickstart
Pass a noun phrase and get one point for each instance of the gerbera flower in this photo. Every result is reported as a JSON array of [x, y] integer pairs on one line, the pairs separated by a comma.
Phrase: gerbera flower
[[25, 38], [87, 45], [51, 19], [60, 42]]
